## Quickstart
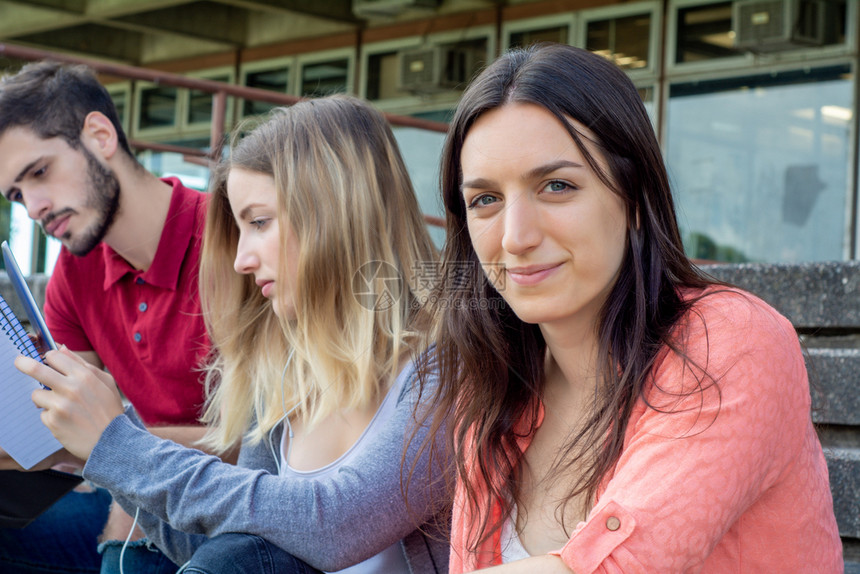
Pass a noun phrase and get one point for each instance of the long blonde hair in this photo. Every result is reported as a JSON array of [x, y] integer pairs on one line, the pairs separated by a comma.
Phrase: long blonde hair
[[344, 191]]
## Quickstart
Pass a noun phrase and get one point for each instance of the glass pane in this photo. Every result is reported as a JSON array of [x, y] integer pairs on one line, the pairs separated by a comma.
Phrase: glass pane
[[622, 40], [120, 102], [158, 107], [323, 78], [277, 80], [422, 151], [200, 103], [760, 165], [556, 34], [705, 33]]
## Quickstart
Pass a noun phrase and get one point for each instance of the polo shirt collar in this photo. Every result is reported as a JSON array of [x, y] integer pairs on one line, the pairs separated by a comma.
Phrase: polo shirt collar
[[175, 239]]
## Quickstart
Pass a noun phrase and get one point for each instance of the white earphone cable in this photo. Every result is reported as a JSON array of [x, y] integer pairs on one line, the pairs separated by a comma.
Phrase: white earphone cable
[[127, 539]]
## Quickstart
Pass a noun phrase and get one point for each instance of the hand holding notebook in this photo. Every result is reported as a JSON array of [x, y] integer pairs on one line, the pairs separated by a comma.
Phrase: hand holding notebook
[[80, 401]]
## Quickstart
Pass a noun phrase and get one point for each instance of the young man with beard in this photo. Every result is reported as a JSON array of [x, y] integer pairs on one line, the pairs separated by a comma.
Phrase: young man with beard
[[123, 293]]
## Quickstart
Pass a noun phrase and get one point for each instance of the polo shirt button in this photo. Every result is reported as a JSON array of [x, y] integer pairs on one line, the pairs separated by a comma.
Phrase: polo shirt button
[[139, 280], [612, 523], [142, 307], [137, 337]]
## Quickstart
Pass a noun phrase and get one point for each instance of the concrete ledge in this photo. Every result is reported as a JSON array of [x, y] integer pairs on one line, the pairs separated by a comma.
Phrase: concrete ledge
[[811, 295], [844, 467], [834, 375]]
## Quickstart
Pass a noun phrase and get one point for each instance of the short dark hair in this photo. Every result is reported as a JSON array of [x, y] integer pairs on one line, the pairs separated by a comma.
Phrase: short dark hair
[[53, 100]]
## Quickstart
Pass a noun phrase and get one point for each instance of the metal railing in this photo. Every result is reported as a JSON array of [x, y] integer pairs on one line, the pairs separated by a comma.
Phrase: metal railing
[[220, 91]]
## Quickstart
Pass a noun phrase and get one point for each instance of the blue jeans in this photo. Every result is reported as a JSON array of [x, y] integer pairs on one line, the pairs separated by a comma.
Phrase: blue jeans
[[139, 558], [243, 554], [64, 540]]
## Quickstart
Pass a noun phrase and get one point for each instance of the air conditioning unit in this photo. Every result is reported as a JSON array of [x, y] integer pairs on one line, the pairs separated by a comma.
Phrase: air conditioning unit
[[388, 8], [776, 25], [438, 68]]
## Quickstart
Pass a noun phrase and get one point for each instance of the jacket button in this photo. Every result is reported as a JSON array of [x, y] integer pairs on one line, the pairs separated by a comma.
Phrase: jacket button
[[612, 523]]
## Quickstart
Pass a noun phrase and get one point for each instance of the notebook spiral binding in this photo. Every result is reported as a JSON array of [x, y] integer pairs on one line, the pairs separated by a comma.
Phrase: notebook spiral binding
[[14, 331]]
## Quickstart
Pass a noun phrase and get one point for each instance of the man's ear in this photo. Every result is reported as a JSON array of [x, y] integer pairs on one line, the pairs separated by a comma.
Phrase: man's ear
[[100, 133]]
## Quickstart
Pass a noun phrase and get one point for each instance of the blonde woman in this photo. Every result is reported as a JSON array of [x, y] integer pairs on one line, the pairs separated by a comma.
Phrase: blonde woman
[[312, 242]]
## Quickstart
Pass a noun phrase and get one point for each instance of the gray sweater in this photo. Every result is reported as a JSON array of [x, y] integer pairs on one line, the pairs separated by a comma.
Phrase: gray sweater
[[185, 495]]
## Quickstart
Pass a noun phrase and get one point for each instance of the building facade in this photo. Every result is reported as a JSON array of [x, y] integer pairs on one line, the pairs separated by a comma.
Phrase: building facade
[[754, 101]]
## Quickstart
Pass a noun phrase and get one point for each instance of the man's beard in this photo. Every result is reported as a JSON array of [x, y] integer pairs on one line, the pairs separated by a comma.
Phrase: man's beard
[[103, 199]]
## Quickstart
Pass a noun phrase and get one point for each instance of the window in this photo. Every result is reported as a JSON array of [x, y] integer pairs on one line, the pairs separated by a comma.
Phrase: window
[[200, 103], [275, 79], [624, 40], [558, 28], [558, 34], [759, 164], [157, 107], [121, 96], [705, 33], [626, 35], [323, 78]]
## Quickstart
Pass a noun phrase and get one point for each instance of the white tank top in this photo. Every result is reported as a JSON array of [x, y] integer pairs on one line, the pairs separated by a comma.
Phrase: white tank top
[[512, 546]]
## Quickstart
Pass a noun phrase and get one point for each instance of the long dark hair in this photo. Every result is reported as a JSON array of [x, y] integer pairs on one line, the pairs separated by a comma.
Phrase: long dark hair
[[492, 363]]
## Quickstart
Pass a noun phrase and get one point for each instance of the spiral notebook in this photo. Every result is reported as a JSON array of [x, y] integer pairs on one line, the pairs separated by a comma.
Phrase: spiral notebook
[[22, 433]]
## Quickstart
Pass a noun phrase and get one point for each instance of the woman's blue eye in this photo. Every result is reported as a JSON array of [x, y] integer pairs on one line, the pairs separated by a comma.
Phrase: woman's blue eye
[[557, 186], [258, 223], [482, 201]]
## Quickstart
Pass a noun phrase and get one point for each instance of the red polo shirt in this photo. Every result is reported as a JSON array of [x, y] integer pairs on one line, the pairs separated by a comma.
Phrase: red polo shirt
[[146, 326]]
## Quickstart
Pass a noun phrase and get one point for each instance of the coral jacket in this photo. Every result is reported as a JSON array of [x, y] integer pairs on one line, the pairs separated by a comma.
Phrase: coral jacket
[[732, 479]]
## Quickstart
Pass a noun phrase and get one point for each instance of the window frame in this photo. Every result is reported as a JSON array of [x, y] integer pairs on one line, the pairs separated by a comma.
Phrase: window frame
[[747, 61], [304, 60], [124, 88], [190, 128], [650, 7], [288, 62], [157, 132], [569, 19]]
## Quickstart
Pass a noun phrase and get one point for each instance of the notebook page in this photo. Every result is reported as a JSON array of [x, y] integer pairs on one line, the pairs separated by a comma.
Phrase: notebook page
[[22, 433]]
